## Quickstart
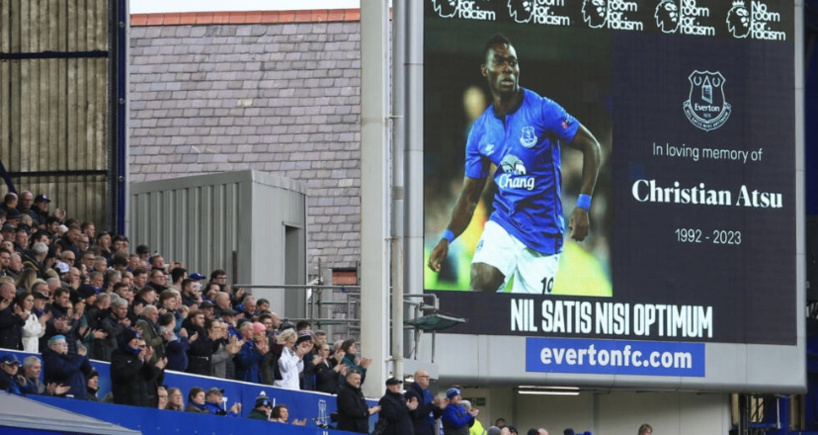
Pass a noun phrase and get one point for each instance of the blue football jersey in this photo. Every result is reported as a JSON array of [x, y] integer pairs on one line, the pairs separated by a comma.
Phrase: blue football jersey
[[525, 147]]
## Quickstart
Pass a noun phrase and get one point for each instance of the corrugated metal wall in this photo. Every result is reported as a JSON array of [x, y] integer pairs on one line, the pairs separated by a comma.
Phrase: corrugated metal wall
[[196, 225], [54, 101]]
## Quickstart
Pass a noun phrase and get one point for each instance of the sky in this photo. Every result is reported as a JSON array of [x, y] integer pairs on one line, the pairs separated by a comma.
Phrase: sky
[[160, 6]]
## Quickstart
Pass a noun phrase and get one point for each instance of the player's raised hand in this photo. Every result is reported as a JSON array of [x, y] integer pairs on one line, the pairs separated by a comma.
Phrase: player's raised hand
[[579, 224]]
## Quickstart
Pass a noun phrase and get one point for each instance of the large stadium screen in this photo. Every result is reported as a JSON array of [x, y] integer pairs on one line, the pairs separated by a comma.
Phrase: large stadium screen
[[612, 169]]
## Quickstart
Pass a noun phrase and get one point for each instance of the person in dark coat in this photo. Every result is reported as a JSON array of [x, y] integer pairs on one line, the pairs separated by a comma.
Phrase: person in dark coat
[[263, 408], [201, 346], [60, 367], [353, 412], [134, 379], [92, 386], [429, 408], [11, 380], [329, 373], [175, 346], [395, 410], [114, 324], [11, 318]]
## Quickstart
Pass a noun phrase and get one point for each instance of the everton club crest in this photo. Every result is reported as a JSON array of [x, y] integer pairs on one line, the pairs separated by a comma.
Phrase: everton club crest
[[706, 107], [528, 138]]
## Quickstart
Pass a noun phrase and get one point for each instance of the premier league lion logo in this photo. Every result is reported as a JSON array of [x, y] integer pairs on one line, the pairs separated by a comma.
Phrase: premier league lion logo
[[738, 20], [521, 10], [706, 107], [595, 12], [445, 8], [667, 16]]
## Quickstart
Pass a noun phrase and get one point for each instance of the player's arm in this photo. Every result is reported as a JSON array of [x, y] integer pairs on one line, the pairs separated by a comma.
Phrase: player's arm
[[585, 142], [461, 217]]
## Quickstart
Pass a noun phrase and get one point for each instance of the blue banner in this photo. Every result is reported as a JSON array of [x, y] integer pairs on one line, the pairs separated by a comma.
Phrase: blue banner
[[614, 357], [313, 406]]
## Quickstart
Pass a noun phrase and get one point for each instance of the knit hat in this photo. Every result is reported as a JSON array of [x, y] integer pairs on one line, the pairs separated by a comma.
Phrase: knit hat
[[129, 334], [451, 392]]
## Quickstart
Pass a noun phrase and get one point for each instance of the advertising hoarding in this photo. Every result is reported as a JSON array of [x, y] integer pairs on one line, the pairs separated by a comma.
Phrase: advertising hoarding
[[693, 214]]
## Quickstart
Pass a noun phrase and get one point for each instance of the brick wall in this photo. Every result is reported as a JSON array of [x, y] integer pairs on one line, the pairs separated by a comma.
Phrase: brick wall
[[275, 95]]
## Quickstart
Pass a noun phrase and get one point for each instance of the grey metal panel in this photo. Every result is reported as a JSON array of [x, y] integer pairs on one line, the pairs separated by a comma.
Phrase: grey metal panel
[[202, 220]]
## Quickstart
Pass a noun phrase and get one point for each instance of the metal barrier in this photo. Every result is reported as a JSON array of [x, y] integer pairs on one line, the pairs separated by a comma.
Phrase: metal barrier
[[423, 316]]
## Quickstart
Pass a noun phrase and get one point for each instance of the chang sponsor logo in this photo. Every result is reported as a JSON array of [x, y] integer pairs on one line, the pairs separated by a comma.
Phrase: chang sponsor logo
[[754, 22], [463, 9], [513, 174], [706, 107], [538, 12], [684, 18], [611, 14]]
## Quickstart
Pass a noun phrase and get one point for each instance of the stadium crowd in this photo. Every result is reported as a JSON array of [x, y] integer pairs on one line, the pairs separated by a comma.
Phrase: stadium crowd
[[71, 294]]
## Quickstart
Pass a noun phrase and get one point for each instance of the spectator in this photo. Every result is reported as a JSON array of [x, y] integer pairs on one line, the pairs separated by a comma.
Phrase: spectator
[[222, 359], [92, 386], [15, 265], [291, 363], [456, 418], [35, 259], [429, 408], [353, 412], [262, 305], [395, 409], [162, 397], [263, 408], [41, 209], [11, 318], [24, 203], [25, 280], [140, 277], [354, 362], [248, 307], [10, 380], [9, 203], [281, 414], [113, 326], [32, 367], [329, 373], [191, 293], [83, 245], [213, 403], [62, 321], [645, 429], [201, 347], [68, 242], [104, 244], [222, 302], [158, 281], [34, 327], [134, 380], [149, 329], [477, 427], [63, 368], [175, 346], [175, 400], [196, 401], [250, 356]]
